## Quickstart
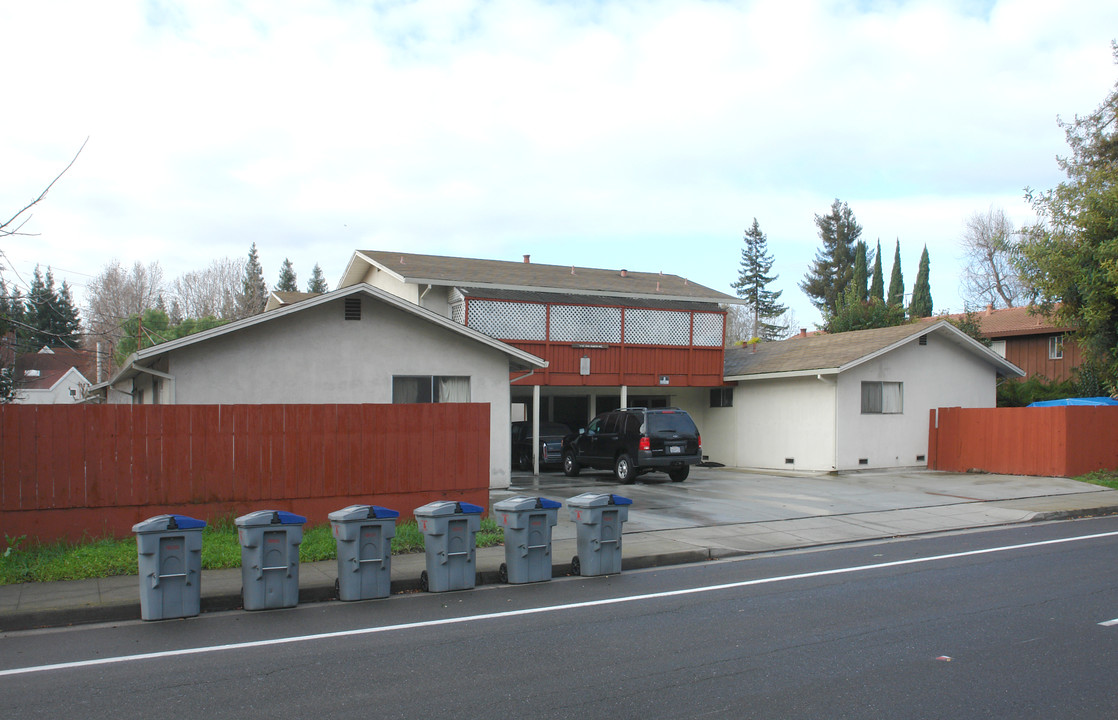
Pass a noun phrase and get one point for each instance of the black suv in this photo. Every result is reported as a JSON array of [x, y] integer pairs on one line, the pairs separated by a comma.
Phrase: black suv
[[633, 441]]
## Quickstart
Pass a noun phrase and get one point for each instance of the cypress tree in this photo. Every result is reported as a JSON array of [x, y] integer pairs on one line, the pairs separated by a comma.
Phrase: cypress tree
[[859, 280], [877, 286], [896, 279], [921, 306]]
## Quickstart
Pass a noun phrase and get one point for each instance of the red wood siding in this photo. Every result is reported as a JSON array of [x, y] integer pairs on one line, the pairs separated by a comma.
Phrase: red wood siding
[[1030, 353], [613, 365], [1053, 441], [71, 470]]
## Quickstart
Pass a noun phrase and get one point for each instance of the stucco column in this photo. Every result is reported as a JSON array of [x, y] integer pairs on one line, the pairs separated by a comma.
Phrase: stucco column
[[625, 396]]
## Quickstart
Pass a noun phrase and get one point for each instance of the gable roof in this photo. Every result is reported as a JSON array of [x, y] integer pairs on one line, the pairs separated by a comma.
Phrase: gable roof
[[280, 298], [505, 275], [1014, 321], [518, 359], [45, 369], [832, 354]]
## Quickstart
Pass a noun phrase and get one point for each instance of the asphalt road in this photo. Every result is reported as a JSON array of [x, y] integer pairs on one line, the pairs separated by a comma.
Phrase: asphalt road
[[998, 623]]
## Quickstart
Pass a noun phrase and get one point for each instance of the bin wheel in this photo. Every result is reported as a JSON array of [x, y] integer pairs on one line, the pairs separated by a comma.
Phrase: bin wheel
[[576, 566], [338, 588], [503, 573], [423, 581]]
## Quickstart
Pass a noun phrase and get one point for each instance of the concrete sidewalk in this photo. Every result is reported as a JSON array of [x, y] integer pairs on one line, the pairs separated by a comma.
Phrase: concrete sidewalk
[[717, 513]]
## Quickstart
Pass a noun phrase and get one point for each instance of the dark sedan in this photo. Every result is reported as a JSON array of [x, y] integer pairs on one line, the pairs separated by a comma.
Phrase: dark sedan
[[551, 444]]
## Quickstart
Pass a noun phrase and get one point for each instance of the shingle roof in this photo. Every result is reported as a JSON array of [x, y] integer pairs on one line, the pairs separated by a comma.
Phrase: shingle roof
[[48, 367], [1008, 322], [817, 353], [283, 298], [470, 272]]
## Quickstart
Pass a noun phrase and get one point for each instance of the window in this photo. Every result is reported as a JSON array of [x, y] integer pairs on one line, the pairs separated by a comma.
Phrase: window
[[1056, 347], [430, 388], [722, 397], [882, 398], [998, 346]]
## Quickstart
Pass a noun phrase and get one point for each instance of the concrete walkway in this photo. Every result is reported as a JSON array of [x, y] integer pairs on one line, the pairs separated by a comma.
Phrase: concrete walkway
[[716, 513]]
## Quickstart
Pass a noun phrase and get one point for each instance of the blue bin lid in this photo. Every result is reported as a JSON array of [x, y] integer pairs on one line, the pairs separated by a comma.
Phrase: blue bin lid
[[269, 517], [618, 500], [164, 523]]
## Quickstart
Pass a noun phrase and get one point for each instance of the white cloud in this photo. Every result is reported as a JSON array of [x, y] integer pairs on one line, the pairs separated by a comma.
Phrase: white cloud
[[625, 133]]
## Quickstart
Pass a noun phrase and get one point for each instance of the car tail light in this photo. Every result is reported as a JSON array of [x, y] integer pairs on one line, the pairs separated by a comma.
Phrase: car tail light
[[700, 439], [646, 444]]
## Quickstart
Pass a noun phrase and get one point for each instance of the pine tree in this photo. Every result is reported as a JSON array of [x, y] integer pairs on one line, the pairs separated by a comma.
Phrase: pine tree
[[921, 306], [877, 286], [317, 282], [753, 282], [254, 292], [287, 282], [67, 322], [896, 279], [833, 268]]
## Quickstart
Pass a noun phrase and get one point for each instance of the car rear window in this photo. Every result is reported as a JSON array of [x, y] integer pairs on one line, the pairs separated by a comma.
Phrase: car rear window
[[673, 422]]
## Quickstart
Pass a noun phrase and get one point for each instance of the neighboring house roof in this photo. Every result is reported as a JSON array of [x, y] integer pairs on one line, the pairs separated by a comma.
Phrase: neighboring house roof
[[1011, 322], [501, 274], [831, 354], [280, 298], [45, 369], [518, 358]]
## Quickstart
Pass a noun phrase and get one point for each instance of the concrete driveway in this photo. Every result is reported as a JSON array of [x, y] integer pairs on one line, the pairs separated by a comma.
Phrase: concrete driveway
[[717, 497]]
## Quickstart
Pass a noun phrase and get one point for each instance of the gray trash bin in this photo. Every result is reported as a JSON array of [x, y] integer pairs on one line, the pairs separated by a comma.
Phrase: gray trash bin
[[170, 560], [598, 519], [527, 522], [270, 558], [449, 535], [364, 535]]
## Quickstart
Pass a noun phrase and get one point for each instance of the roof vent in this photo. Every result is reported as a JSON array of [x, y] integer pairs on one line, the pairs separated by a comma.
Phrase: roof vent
[[353, 308], [923, 339], [527, 259], [624, 272]]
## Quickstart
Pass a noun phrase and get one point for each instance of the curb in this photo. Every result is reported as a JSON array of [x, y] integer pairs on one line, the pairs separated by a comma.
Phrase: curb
[[225, 601]]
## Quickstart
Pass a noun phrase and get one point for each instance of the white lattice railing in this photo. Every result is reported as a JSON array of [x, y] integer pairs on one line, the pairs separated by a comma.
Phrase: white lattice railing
[[590, 323]]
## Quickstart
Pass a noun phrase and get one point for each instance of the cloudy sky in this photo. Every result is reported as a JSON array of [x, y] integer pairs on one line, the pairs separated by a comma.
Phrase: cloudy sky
[[633, 134]]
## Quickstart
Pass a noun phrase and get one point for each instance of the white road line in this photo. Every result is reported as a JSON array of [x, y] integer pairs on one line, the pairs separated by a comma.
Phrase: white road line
[[539, 610], [1108, 623]]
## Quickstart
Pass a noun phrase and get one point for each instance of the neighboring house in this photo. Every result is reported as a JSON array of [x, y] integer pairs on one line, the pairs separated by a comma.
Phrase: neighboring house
[[357, 344], [280, 298], [1030, 341], [847, 401], [51, 376], [611, 338]]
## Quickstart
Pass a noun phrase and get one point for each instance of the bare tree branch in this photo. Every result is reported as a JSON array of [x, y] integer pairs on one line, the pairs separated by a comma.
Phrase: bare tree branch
[[4, 231]]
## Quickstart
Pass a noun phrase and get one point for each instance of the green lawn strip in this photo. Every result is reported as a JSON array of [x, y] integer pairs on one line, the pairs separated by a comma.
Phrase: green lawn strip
[[21, 561], [1106, 478]]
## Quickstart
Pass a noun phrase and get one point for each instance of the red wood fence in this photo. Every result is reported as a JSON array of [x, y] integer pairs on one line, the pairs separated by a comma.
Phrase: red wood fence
[[69, 471], [1049, 441]]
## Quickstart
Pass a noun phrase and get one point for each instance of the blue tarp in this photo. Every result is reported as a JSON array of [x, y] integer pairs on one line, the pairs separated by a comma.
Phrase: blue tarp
[[1075, 401]]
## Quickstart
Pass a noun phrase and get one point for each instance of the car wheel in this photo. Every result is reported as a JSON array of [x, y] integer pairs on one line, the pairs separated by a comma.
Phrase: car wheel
[[623, 469], [570, 465], [681, 474]]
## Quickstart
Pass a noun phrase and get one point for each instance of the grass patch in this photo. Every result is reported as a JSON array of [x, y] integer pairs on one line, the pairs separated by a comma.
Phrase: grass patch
[[21, 561], [1106, 478]]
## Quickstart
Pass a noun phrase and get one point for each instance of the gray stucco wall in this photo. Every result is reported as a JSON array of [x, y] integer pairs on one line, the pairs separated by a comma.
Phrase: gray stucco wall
[[316, 356]]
